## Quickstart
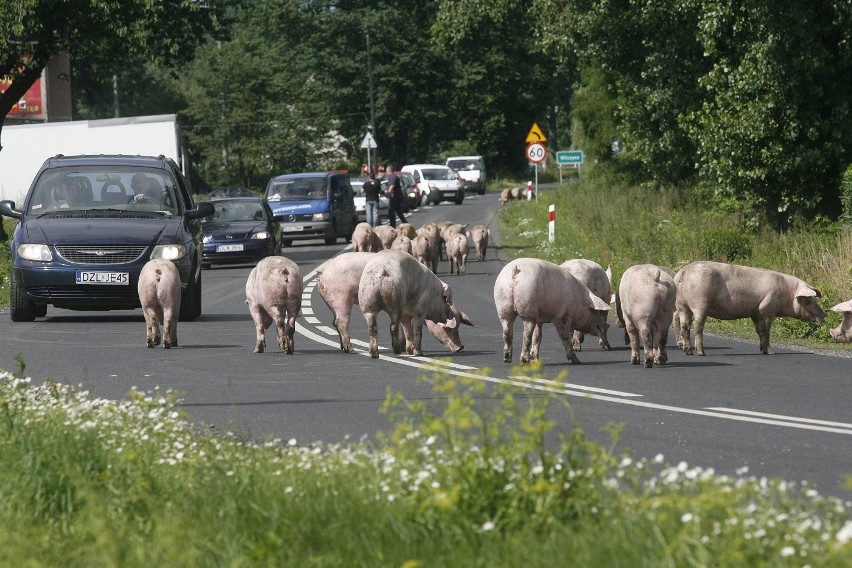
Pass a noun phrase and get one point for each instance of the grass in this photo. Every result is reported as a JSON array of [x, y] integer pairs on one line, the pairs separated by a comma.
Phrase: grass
[[89, 482], [616, 224]]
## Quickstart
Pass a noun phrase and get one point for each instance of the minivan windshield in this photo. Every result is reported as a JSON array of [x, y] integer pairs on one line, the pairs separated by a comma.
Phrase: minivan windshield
[[435, 174], [298, 189], [465, 164], [114, 188]]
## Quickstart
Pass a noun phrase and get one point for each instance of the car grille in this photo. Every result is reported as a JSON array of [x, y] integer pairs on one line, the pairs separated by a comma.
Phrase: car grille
[[123, 294], [100, 254], [298, 218]]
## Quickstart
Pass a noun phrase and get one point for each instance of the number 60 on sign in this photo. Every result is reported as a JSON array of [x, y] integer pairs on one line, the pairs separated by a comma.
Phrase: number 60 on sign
[[536, 152]]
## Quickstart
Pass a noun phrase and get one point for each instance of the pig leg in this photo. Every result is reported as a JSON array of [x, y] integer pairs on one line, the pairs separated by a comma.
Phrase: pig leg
[[169, 329], [700, 319], [526, 342], [633, 337], [261, 322], [566, 334], [408, 333], [341, 323], [394, 332], [507, 321], [374, 334], [603, 341], [577, 340], [536, 342], [762, 326], [463, 263], [290, 332], [647, 344], [684, 326], [662, 338], [152, 328], [279, 317], [414, 329]]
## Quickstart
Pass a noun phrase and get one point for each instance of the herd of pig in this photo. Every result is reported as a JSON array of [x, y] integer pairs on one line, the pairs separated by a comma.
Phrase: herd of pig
[[393, 270]]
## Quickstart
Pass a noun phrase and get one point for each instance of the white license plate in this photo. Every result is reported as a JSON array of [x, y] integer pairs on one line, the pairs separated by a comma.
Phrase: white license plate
[[229, 248], [109, 278], [293, 229]]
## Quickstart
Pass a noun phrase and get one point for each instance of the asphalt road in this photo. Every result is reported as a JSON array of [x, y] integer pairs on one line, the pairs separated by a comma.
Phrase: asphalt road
[[735, 410]]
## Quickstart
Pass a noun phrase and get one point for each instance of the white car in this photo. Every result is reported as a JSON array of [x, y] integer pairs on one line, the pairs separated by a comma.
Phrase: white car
[[437, 183], [472, 171], [361, 201]]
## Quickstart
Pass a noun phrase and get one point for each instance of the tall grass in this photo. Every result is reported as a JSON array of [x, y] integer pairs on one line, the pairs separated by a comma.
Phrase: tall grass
[[90, 482], [608, 220]]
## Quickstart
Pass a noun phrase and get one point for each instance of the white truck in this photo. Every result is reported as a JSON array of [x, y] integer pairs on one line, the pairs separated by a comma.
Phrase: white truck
[[471, 169], [27, 146]]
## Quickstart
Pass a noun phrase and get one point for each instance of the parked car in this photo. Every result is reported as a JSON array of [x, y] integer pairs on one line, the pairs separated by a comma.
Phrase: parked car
[[241, 229], [410, 190], [88, 225], [360, 201], [472, 171], [436, 183], [316, 205]]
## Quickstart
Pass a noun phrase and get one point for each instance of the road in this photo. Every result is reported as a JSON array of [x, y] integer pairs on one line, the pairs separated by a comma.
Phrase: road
[[735, 410]]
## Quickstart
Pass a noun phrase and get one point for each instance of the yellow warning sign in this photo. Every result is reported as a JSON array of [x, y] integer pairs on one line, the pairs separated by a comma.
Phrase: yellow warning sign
[[536, 135]]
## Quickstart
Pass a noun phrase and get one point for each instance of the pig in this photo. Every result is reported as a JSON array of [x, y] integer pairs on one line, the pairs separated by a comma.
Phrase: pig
[[406, 229], [727, 291], [159, 295], [510, 194], [364, 239], [843, 332], [646, 299], [480, 235], [394, 282], [386, 235], [457, 251], [598, 281], [274, 294], [431, 230], [543, 292], [338, 284], [447, 228], [402, 243], [421, 248]]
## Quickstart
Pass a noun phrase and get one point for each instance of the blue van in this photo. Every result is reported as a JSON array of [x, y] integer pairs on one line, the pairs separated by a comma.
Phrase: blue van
[[317, 205]]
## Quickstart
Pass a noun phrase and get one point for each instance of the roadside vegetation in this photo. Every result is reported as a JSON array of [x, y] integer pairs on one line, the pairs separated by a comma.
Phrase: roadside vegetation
[[607, 219], [89, 482]]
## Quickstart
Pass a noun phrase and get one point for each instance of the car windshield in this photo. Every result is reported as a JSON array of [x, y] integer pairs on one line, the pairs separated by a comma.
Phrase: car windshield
[[435, 174], [234, 211], [114, 188], [297, 189], [464, 164]]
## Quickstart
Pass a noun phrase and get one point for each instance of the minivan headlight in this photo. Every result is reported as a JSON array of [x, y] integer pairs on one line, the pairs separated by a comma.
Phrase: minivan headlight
[[38, 253], [168, 252], [320, 217], [260, 235]]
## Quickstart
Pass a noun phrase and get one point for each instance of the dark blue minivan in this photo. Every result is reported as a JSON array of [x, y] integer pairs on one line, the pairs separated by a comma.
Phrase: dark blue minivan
[[90, 223]]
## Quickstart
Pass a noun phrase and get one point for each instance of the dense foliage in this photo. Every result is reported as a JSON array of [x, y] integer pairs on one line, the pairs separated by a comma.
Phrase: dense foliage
[[746, 100]]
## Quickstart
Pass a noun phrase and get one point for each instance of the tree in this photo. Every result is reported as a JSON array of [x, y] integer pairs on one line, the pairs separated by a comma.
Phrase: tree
[[103, 31]]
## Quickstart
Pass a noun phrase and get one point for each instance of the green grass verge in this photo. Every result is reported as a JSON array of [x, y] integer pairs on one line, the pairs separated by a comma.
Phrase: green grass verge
[[89, 482]]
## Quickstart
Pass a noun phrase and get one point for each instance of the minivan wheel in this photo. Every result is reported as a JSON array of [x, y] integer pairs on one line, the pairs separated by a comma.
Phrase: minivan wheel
[[333, 238], [20, 308], [188, 309]]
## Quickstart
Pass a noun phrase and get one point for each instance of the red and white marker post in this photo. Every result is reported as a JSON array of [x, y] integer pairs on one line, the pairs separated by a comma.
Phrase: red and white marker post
[[551, 223]]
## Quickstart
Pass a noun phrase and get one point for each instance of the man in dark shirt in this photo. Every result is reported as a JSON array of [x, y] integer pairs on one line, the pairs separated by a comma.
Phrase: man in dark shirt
[[372, 189], [394, 193]]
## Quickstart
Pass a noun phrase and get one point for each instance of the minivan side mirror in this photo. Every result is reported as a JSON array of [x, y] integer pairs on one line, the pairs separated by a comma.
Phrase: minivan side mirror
[[7, 208]]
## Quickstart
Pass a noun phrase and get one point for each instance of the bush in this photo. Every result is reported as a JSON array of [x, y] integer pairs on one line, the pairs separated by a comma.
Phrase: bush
[[725, 244], [846, 196]]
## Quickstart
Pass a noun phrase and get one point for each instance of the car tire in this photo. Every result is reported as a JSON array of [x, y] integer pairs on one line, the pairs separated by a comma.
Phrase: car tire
[[188, 304], [459, 198], [20, 308], [333, 238], [481, 189], [286, 242]]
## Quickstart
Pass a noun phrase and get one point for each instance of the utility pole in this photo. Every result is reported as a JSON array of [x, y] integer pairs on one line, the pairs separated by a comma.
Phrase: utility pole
[[372, 97]]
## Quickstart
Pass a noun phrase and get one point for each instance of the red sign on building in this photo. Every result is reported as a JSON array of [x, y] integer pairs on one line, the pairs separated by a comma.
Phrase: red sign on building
[[31, 105]]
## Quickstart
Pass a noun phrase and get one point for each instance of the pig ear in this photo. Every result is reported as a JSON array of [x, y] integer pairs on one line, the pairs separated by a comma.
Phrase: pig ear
[[843, 307], [805, 291], [466, 320], [597, 303]]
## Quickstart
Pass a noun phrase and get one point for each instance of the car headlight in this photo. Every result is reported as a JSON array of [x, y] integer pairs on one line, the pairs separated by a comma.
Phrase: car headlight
[[206, 239], [263, 235], [320, 217], [38, 253], [168, 252]]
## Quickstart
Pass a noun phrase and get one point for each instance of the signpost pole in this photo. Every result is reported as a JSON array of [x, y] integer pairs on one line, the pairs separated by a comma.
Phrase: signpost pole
[[551, 223]]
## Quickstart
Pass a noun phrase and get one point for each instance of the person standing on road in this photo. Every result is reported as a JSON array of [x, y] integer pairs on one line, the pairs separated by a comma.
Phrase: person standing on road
[[394, 193], [372, 188]]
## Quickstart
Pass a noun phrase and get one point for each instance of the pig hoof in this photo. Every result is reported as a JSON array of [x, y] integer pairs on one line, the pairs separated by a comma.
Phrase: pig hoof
[[577, 346], [634, 360], [374, 354], [258, 348], [507, 358], [649, 363], [150, 344], [167, 345]]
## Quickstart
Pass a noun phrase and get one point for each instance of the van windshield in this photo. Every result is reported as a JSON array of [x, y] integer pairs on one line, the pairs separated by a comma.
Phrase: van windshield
[[469, 164], [297, 189], [435, 174]]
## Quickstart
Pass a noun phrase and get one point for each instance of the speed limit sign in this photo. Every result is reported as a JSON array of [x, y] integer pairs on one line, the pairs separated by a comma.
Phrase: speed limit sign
[[536, 152]]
